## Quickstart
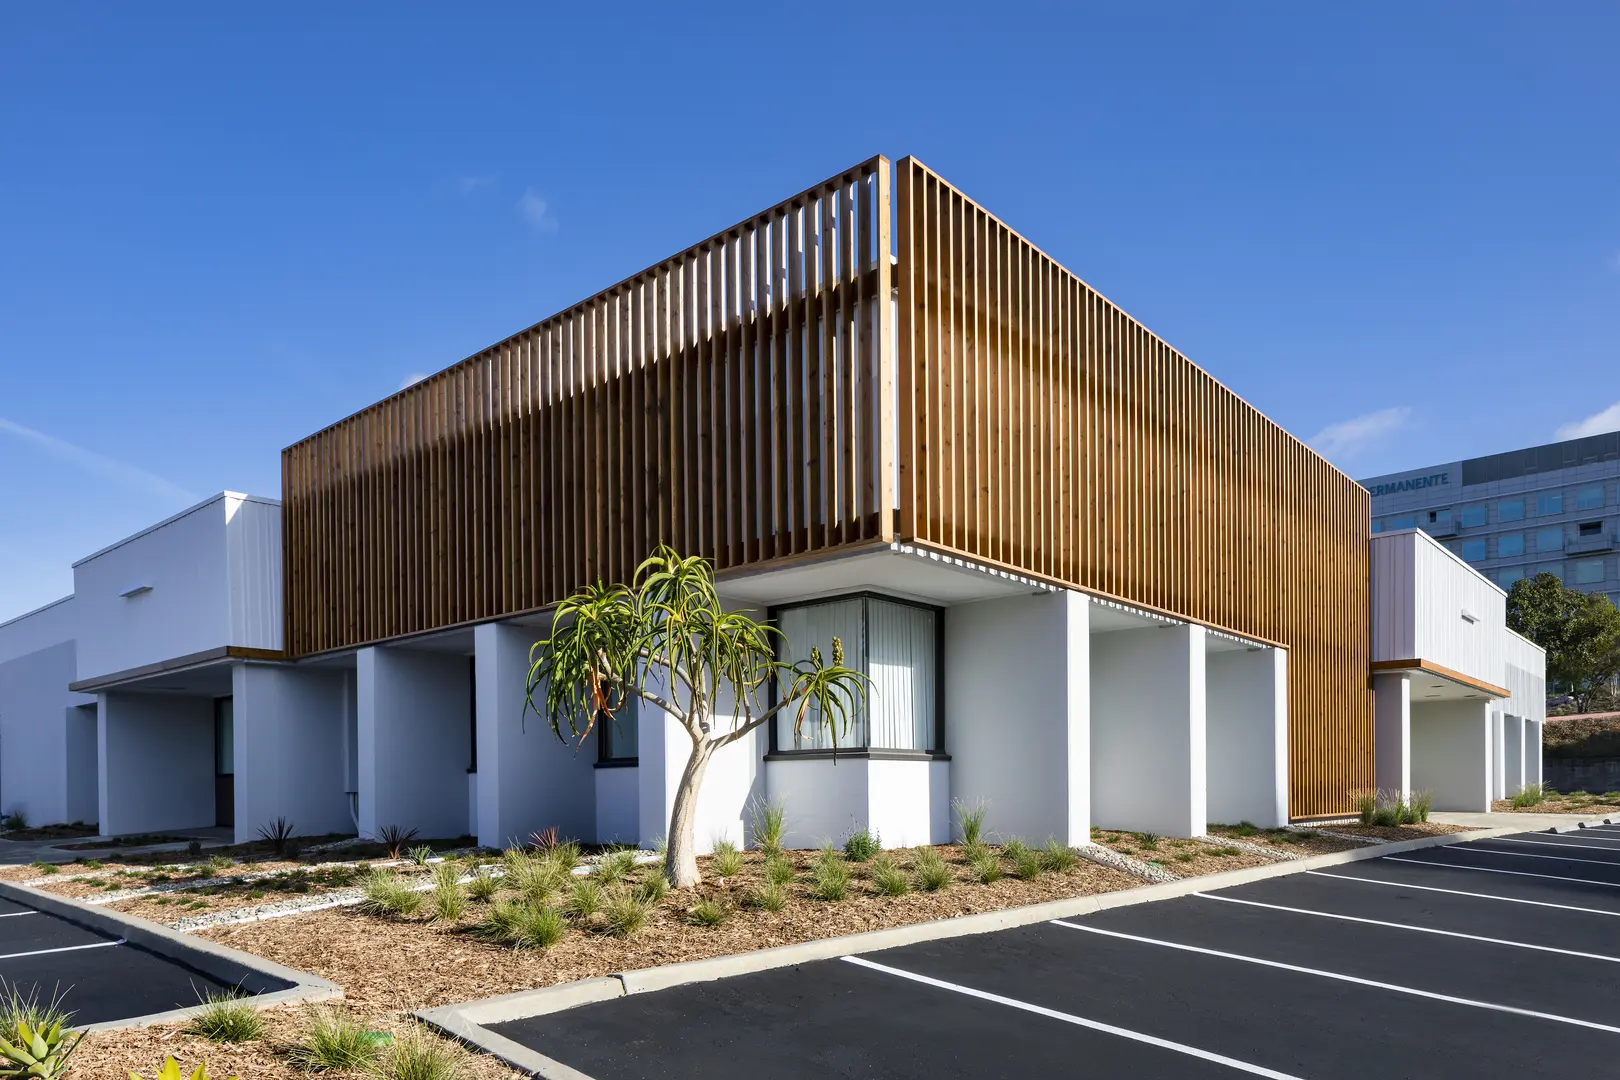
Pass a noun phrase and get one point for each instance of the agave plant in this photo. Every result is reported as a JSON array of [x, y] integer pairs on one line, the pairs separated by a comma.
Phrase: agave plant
[[40, 1051], [396, 840], [171, 1071]]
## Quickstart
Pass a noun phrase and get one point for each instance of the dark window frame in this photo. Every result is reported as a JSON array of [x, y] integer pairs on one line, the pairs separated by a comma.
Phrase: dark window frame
[[603, 760], [866, 750]]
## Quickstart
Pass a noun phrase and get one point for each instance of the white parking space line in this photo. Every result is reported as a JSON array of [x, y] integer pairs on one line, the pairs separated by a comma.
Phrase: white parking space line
[[14, 914], [1554, 843], [1461, 892], [1475, 849], [1409, 926], [1493, 870], [65, 948], [1079, 1021], [1340, 977]]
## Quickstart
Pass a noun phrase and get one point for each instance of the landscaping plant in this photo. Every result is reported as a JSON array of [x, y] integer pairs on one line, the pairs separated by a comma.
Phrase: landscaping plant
[[861, 845], [171, 1071], [584, 899], [727, 859], [396, 840], [1059, 857], [536, 927], [986, 868], [1013, 849], [887, 877], [778, 870], [333, 1040], [226, 1017], [829, 877], [654, 889], [1529, 795], [448, 899], [767, 822], [614, 866], [1028, 864], [420, 854], [387, 894], [931, 870], [481, 886], [277, 834], [970, 820], [768, 898], [17, 819], [34, 1044], [668, 630], [707, 913], [625, 912], [420, 1056]]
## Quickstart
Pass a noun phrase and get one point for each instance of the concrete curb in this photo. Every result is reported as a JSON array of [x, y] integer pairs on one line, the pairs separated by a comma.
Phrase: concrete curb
[[465, 1022], [226, 965]]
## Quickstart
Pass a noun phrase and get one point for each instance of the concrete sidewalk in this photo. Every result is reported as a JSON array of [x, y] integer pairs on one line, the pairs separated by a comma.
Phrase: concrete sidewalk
[[1528, 822]]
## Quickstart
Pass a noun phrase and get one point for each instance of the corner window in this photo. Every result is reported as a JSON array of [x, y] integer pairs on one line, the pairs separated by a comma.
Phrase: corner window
[[1473, 550], [1550, 502], [1509, 545], [1471, 516], [1588, 571], [1589, 498], [1549, 539], [619, 737], [1510, 510], [896, 645]]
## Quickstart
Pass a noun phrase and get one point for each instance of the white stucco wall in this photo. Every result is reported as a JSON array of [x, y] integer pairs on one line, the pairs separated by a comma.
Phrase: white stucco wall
[[414, 746], [289, 761], [83, 775], [1513, 755], [1017, 713], [618, 807], [1428, 604], [1526, 677], [1246, 737], [822, 798], [909, 802], [157, 752], [1392, 735], [1451, 753], [1148, 705], [35, 707], [528, 779]]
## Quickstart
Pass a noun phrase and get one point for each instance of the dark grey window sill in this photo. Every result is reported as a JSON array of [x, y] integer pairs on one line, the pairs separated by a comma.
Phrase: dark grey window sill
[[619, 763]]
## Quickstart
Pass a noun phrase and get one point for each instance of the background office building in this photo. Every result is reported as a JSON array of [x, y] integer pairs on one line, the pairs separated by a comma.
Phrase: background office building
[[1549, 509]]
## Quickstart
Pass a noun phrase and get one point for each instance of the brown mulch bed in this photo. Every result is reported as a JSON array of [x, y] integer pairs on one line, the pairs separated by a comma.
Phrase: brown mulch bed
[[373, 957], [1557, 803], [1292, 841], [51, 832], [1183, 858], [110, 1054], [1394, 833]]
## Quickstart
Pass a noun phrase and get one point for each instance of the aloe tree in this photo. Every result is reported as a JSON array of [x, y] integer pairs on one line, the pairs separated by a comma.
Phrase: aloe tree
[[666, 640]]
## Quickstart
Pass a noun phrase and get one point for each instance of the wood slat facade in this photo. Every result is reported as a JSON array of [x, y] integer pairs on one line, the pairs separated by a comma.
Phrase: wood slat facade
[[754, 399]]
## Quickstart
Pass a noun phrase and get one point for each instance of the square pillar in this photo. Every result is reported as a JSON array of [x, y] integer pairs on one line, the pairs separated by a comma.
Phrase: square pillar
[[1451, 753], [1148, 715], [1392, 732], [415, 740], [1513, 755], [1247, 738], [156, 753], [734, 777], [1532, 752], [289, 758], [1499, 723], [528, 779]]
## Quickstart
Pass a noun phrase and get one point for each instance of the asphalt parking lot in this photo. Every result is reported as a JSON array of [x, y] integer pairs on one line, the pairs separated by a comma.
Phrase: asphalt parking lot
[[1494, 958], [100, 978]]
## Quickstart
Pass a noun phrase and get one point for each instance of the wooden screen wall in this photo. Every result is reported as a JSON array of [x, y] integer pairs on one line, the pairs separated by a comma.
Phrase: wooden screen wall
[[1044, 429], [727, 401]]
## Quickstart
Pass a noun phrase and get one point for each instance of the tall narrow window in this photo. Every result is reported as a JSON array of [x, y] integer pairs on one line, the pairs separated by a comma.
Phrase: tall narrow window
[[620, 736]]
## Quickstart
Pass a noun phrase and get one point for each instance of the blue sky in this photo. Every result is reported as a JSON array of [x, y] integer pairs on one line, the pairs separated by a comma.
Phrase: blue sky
[[1395, 228]]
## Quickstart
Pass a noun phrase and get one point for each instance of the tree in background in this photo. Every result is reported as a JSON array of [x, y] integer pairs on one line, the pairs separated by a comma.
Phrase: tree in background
[[666, 640], [1580, 631]]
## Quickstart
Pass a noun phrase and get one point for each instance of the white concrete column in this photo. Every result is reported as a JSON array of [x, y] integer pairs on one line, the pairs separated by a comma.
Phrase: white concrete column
[[157, 762], [1392, 732], [1532, 752], [734, 777], [1247, 739], [289, 724], [1451, 753], [1148, 715], [1499, 723], [528, 779], [415, 740], [1018, 713]]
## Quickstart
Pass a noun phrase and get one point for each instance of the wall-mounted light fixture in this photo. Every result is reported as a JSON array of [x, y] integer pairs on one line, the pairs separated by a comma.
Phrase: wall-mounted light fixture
[[1469, 616], [135, 590]]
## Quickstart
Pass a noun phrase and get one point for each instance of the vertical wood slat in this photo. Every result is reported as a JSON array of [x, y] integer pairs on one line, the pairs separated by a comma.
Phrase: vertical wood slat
[[1111, 462]]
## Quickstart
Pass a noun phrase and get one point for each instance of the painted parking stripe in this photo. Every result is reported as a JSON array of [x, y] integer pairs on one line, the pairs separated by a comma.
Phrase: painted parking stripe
[[1493, 870], [1555, 843], [64, 948], [1475, 849], [1461, 892], [1079, 1021], [1409, 926], [14, 914], [1340, 977]]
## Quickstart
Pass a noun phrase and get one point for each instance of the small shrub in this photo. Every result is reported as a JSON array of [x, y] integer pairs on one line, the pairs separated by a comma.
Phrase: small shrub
[[1367, 806], [707, 913], [1387, 815], [584, 898], [227, 1017], [654, 889], [1028, 864], [47, 867], [829, 879], [931, 870], [1227, 852], [396, 840], [482, 885], [1186, 856], [625, 912], [769, 898], [861, 845], [500, 919], [25, 1019], [277, 834], [727, 859], [194, 849], [420, 854], [17, 819], [219, 865], [612, 868], [1531, 795], [986, 869], [887, 877], [1245, 829], [448, 900], [778, 871], [767, 823], [1146, 841], [420, 1056], [1060, 858], [334, 1040], [535, 927], [387, 894], [1014, 848], [970, 819]]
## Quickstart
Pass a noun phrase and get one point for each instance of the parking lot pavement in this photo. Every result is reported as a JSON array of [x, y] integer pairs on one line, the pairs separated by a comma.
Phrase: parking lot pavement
[[100, 978], [1442, 963]]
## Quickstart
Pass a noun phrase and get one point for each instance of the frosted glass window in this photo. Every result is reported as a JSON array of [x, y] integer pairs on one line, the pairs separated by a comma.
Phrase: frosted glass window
[[1472, 516], [1510, 510], [1589, 571], [1509, 545], [897, 647], [1473, 550], [1551, 502], [1589, 498], [1549, 539], [1510, 575]]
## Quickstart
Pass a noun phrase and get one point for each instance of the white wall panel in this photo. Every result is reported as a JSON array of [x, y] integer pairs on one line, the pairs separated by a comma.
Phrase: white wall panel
[[289, 724], [1430, 605], [1451, 753], [1526, 677], [253, 543], [157, 752], [49, 625]]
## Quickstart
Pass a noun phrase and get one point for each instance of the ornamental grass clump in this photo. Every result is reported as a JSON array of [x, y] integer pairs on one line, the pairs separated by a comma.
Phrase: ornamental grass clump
[[779, 871], [933, 873], [447, 901], [767, 824], [653, 889], [1013, 848], [1060, 858], [420, 1056], [728, 860], [226, 1017], [388, 894], [970, 820], [500, 919], [986, 868], [333, 1040], [584, 898], [613, 867], [420, 854], [888, 878], [482, 885], [624, 913], [768, 898], [707, 913], [1028, 864], [829, 877], [536, 927]]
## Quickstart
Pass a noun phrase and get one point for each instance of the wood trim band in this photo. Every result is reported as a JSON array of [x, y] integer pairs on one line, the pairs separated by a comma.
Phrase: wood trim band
[[1443, 672]]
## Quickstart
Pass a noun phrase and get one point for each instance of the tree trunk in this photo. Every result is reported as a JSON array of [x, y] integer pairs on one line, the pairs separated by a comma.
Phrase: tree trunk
[[680, 858]]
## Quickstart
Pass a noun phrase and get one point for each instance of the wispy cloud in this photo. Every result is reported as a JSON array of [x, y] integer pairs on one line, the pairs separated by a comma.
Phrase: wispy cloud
[[412, 379], [101, 465], [1596, 424], [1348, 439], [470, 184], [536, 211]]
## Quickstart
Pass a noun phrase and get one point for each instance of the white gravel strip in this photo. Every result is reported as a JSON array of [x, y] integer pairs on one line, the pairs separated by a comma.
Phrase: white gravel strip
[[1252, 849], [1112, 859], [1347, 836], [298, 906]]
